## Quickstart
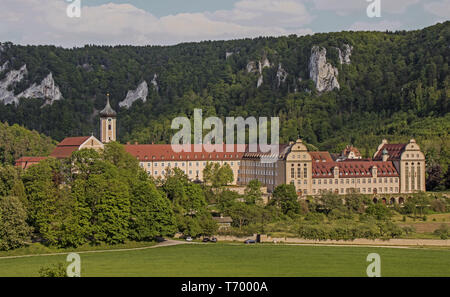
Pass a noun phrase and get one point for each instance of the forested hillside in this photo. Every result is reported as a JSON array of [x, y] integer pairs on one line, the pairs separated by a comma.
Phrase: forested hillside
[[394, 85], [17, 141]]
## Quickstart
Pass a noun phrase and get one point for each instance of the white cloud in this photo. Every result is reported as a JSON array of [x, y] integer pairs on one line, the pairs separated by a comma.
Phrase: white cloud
[[439, 8], [46, 22], [345, 7], [376, 26]]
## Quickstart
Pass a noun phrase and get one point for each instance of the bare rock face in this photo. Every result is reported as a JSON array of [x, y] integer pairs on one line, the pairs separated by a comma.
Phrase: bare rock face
[[260, 81], [4, 66], [281, 75], [155, 82], [322, 73], [252, 68], [265, 63], [345, 54], [12, 77], [47, 90], [140, 93], [228, 54]]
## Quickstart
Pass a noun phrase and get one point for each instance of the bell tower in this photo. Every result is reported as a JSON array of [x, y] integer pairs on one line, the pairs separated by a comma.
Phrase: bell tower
[[108, 119]]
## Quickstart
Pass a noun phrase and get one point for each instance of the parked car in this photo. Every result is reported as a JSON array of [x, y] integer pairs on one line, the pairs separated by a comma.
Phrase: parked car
[[213, 239], [250, 241], [206, 239], [160, 239], [188, 238]]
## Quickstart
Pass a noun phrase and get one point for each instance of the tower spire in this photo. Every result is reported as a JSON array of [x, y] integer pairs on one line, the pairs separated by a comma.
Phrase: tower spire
[[108, 122]]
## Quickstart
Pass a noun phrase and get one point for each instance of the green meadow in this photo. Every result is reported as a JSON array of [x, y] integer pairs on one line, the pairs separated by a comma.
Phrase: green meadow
[[238, 260]]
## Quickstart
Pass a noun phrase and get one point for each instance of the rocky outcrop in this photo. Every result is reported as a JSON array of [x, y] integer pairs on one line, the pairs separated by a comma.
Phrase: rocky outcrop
[[265, 63], [344, 55], [253, 68], [4, 66], [47, 90], [281, 75], [228, 54], [155, 82], [13, 77], [141, 92], [322, 73]]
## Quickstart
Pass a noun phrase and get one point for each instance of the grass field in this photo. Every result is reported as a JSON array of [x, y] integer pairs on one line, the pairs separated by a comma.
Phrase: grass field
[[234, 260]]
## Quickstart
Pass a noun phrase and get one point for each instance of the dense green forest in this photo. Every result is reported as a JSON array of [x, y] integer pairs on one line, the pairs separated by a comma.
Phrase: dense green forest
[[17, 141], [397, 86]]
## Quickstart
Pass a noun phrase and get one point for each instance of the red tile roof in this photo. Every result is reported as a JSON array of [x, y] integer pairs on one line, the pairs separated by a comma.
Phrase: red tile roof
[[321, 157], [25, 162], [61, 152], [164, 152], [353, 169], [66, 147], [74, 141], [394, 150]]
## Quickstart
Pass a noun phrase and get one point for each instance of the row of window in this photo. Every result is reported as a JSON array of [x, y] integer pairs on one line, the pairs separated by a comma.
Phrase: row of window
[[183, 164], [356, 180], [259, 164], [260, 172], [357, 190], [299, 172]]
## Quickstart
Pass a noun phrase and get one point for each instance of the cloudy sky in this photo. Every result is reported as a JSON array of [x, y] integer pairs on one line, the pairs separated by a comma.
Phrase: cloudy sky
[[166, 22]]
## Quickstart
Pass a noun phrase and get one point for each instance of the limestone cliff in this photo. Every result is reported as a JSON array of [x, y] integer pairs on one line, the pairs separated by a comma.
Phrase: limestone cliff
[[47, 90], [344, 55], [4, 66], [322, 73], [253, 68], [12, 77], [155, 82], [281, 75], [141, 92]]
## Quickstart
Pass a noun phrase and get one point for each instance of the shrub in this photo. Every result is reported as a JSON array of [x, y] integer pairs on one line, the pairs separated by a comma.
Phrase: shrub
[[56, 270], [438, 205], [315, 217], [443, 231]]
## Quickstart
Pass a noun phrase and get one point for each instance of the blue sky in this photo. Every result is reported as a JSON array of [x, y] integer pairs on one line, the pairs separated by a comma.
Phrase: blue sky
[[165, 22]]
